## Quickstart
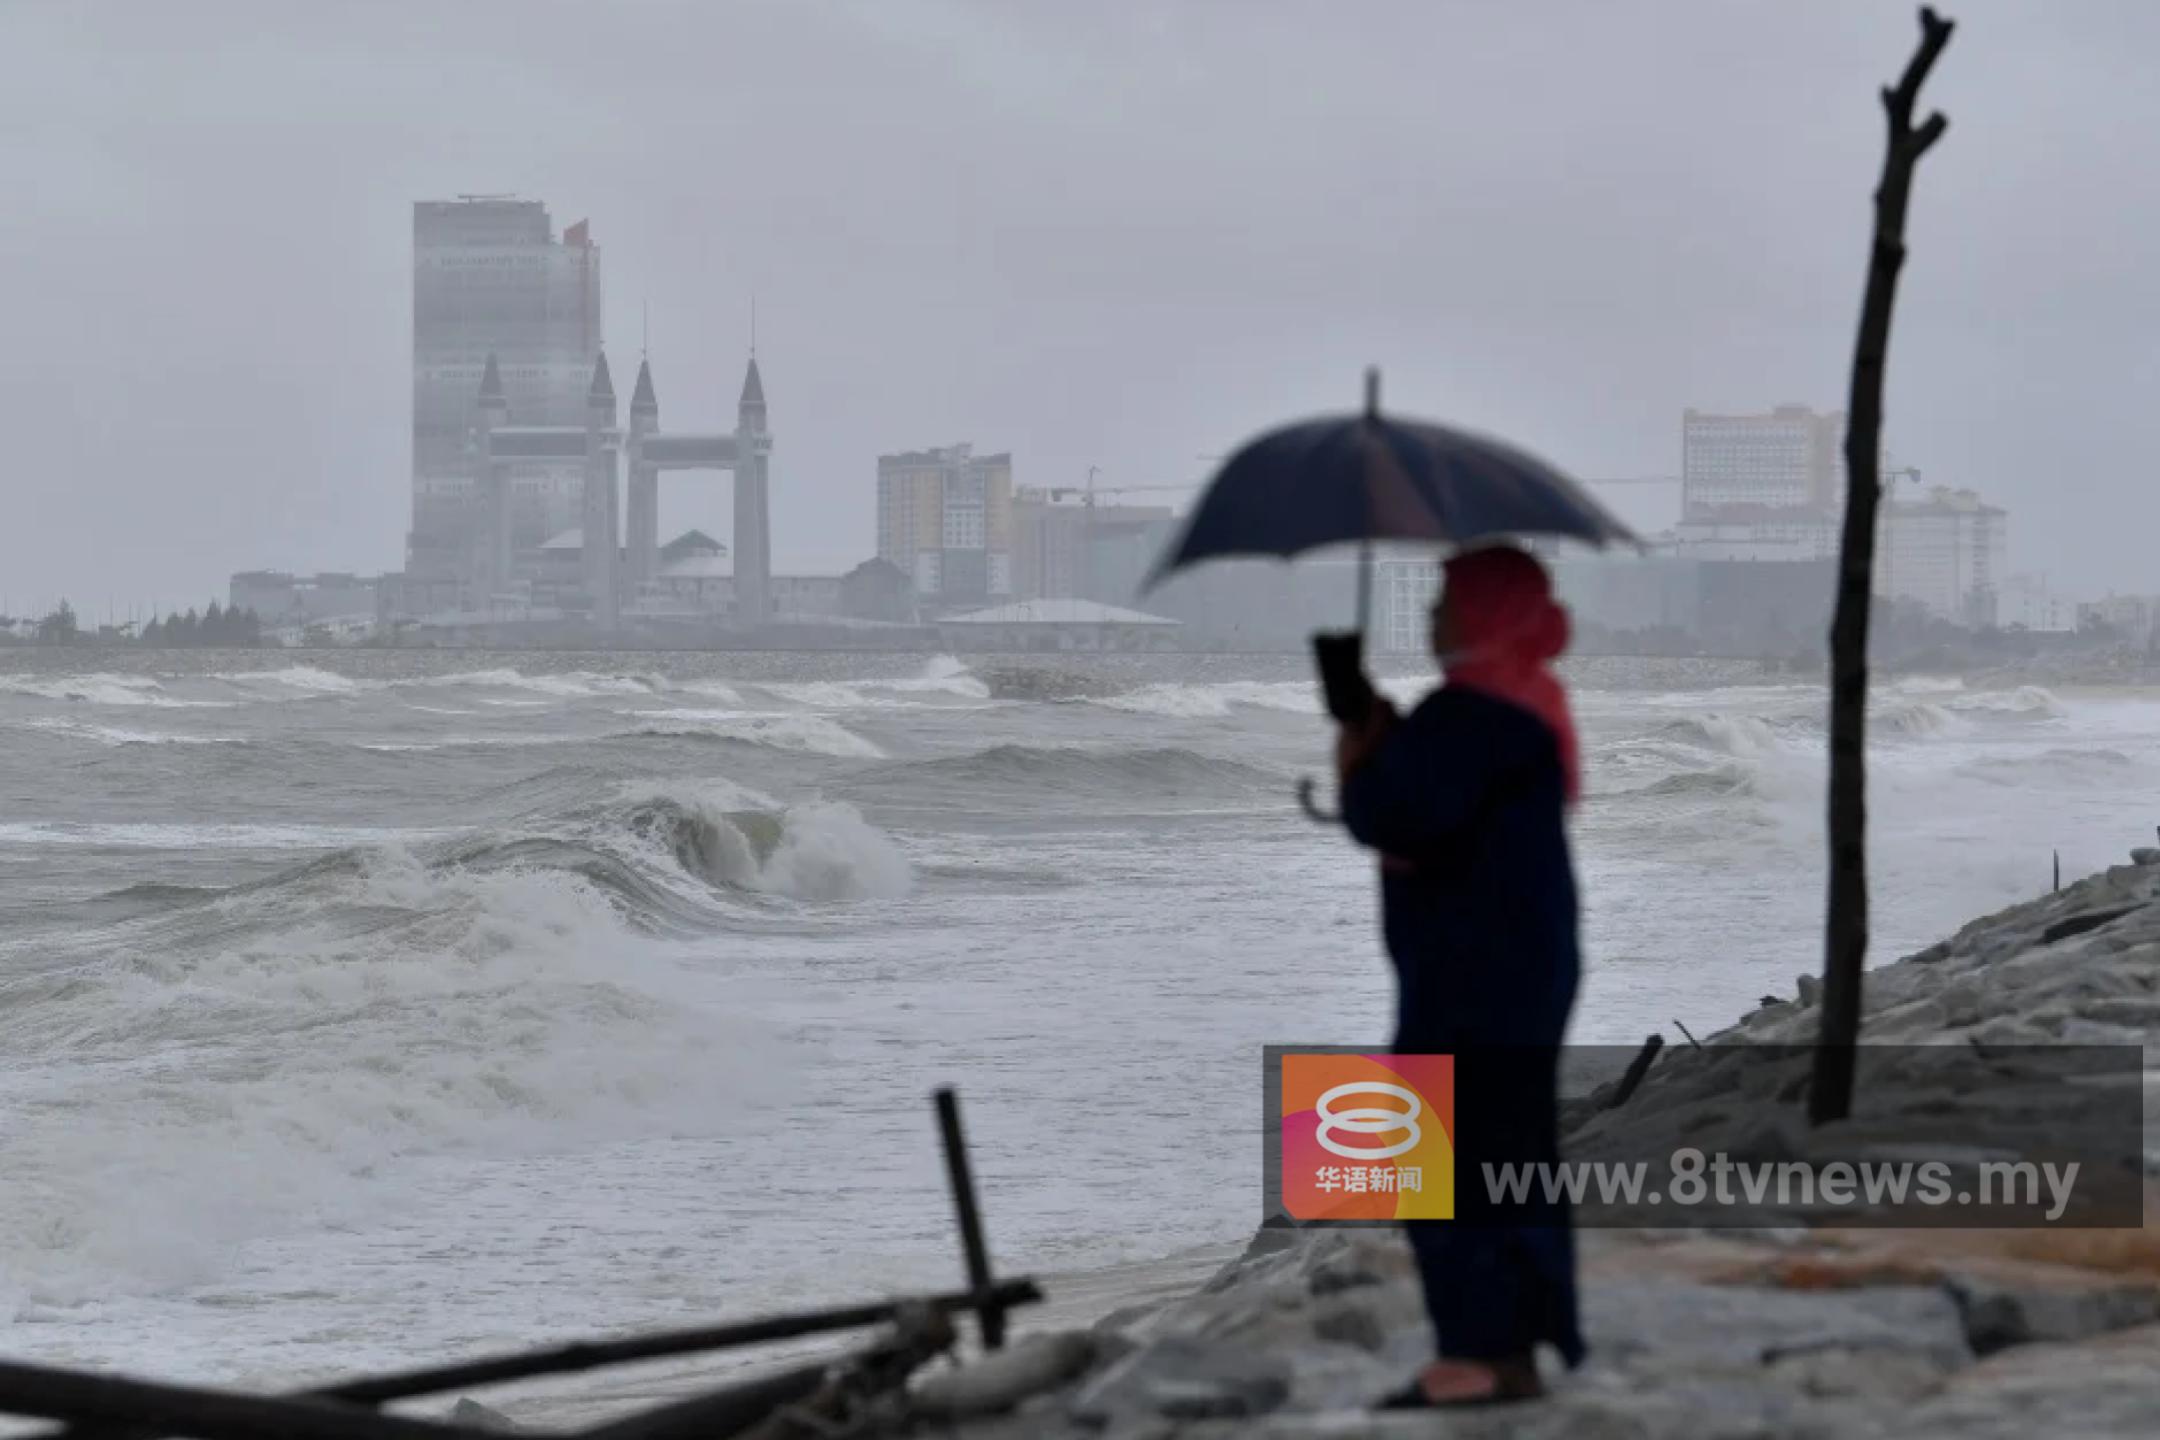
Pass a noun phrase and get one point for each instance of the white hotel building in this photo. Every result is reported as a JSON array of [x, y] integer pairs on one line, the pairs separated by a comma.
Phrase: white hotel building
[[1949, 552]]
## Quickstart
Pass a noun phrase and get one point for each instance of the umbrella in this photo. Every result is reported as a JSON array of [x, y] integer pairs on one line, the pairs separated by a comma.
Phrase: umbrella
[[1372, 477], [1369, 477]]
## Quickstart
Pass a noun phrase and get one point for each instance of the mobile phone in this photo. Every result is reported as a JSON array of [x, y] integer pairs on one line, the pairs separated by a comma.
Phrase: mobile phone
[[1343, 684]]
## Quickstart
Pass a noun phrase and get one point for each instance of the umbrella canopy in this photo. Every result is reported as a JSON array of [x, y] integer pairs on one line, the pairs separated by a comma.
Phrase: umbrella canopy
[[1371, 477]]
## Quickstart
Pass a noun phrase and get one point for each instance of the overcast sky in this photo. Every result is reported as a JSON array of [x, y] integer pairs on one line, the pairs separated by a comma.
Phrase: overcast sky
[[1114, 234]]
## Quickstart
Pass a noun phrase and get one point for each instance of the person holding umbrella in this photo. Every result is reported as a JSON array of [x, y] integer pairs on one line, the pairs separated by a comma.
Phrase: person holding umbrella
[[1464, 800]]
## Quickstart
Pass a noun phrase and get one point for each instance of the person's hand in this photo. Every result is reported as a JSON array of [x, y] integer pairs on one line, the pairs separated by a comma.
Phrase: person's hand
[[1353, 745]]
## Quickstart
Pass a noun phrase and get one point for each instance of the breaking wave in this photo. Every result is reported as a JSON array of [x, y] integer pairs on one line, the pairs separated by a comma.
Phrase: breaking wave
[[568, 685], [821, 851], [101, 689], [943, 676], [635, 852], [2027, 702], [467, 742], [1721, 780], [1915, 719], [943, 680], [1300, 697], [2094, 766], [239, 835], [781, 730], [120, 735], [226, 689], [1157, 773], [1026, 682], [1750, 736], [943, 672], [294, 680], [681, 857], [1730, 734]]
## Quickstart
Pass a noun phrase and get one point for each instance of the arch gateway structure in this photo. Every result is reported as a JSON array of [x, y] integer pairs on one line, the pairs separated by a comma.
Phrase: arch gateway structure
[[619, 549]]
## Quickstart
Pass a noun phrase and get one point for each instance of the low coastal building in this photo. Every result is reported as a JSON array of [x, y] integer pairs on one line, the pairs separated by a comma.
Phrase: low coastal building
[[284, 599], [343, 630], [1757, 532], [806, 597], [1247, 604], [2133, 617], [1749, 579], [1627, 602], [693, 579], [1058, 625], [878, 590], [2027, 602], [692, 576]]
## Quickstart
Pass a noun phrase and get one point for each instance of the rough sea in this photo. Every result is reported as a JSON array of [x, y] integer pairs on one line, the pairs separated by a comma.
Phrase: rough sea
[[378, 1007]]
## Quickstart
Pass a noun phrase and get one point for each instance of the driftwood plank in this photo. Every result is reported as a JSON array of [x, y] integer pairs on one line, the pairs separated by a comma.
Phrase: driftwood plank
[[151, 1420], [81, 1396], [592, 1354]]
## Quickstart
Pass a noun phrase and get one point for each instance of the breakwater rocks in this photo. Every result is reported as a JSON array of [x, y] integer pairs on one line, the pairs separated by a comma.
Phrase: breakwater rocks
[[1787, 1329], [2109, 666]]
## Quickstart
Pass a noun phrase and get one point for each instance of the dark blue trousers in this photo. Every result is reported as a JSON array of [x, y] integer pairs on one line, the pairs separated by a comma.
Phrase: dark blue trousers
[[1500, 1278]]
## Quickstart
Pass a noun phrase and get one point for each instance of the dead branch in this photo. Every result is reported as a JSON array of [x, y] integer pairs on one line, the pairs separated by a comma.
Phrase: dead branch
[[1845, 929]]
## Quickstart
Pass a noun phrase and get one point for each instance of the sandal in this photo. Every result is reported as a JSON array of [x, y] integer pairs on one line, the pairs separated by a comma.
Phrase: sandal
[[1514, 1380]]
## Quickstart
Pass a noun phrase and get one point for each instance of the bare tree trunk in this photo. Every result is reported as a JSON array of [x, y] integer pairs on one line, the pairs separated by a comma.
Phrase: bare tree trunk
[[1846, 928]]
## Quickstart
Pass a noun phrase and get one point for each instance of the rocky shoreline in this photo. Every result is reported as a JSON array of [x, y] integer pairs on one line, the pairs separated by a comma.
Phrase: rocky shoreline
[[1787, 1329]]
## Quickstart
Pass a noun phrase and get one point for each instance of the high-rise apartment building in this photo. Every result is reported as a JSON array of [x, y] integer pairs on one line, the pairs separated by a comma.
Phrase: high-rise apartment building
[[945, 518], [1948, 552], [490, 277], [1788, 459]]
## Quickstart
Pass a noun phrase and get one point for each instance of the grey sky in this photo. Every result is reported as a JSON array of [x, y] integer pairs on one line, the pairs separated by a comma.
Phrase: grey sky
[[1119, 234]]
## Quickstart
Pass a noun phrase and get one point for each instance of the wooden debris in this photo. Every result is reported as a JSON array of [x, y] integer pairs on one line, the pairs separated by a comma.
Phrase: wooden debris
[[1637, 1068]]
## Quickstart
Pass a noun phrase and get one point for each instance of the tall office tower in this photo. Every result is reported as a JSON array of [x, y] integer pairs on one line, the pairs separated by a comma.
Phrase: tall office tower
[[491, 277]]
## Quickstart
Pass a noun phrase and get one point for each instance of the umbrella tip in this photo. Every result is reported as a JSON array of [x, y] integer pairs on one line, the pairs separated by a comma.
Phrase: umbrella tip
[[1372, 392]]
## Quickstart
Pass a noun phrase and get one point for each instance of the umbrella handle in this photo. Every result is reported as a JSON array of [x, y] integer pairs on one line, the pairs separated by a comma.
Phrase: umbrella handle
[[1305, 791]]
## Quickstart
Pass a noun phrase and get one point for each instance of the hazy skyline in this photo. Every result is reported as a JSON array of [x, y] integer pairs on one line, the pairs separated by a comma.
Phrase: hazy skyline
[[1120, 236]]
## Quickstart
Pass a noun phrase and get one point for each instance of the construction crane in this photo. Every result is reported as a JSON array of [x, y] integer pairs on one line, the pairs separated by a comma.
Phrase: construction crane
[[1909, 472], [1088, 494]]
